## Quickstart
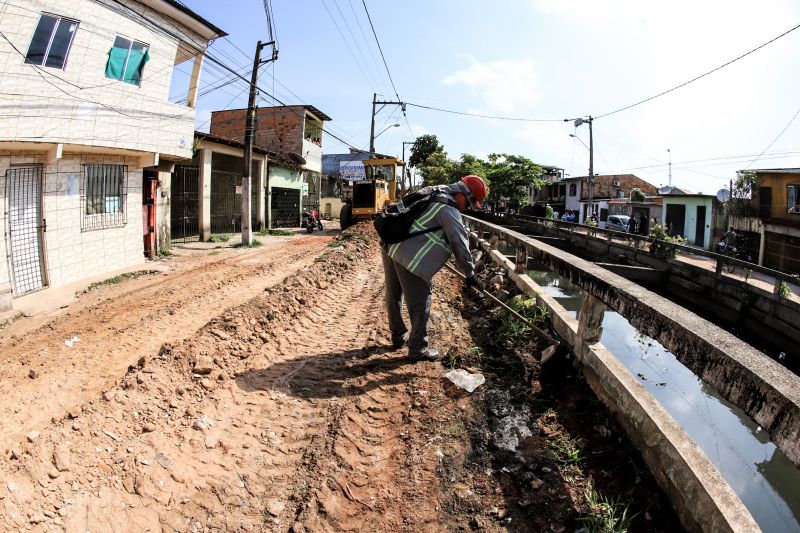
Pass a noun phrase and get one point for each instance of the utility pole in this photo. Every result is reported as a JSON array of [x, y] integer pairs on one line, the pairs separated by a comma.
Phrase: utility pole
[[578, 122], [670, 167], [405, 168], [249, 134], [372, 127]]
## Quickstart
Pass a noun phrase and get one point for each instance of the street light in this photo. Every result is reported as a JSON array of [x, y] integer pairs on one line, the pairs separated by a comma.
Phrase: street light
[[577, 122], [579, 139], [390, 126]]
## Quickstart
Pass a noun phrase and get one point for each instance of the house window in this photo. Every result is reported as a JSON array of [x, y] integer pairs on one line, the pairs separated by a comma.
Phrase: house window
[[793, 198], [573, 189], [103, 196], [313, 132], [51, 41], [126, 60]]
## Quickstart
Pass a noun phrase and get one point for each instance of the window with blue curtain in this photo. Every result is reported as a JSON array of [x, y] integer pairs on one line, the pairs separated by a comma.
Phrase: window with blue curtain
[[126, 60]]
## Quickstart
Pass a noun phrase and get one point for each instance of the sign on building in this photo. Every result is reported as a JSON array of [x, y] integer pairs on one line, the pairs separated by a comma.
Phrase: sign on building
[[352, 170]]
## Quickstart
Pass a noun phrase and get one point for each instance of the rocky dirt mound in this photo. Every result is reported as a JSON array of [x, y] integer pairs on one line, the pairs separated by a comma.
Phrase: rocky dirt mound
[[291, 413]]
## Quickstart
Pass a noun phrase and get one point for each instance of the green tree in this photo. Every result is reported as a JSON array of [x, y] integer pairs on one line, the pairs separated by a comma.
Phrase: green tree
[[510, 176], [423, 147], [743, 186], [437, 169]]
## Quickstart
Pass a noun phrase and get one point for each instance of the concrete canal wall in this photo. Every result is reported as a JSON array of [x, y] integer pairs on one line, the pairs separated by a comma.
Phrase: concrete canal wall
[[746, 377]]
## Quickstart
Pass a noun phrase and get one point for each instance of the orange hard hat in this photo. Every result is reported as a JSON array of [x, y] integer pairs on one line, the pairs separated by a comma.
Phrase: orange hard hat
[[478, 189]]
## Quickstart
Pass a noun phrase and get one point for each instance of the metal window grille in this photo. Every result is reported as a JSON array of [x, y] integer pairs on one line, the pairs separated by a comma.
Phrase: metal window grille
[[26, 226], [104, 196]]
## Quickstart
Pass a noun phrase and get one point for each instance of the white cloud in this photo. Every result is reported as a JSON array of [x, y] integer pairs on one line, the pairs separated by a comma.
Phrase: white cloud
[[505, 86]]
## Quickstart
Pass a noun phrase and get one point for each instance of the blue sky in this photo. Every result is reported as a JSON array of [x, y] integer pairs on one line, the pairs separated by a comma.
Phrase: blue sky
[[538, 59]]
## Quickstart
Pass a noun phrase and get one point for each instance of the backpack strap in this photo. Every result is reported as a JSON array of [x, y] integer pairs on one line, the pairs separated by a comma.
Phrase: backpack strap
[[437, 197]]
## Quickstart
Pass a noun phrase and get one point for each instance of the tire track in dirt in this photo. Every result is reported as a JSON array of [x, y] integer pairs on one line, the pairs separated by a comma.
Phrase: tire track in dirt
[[115, 333], [306, 423]]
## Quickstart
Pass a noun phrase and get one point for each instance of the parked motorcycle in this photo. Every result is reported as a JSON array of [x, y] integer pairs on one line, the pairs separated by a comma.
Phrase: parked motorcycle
[[311, 220], [735, 252]]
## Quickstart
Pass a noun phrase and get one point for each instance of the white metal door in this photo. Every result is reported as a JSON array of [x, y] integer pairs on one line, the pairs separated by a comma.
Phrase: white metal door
[[26, 228]]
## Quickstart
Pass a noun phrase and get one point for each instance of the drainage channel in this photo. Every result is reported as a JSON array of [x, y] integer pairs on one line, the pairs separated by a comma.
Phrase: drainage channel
[[761, 475]]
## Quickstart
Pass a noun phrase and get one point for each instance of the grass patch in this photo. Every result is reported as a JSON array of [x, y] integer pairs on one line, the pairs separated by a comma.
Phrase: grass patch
[[512, 329], [219, 238], [276, 233], [457, 430], [119, 279], [163, 252], [564, 450], [253, 244], [605, 516]]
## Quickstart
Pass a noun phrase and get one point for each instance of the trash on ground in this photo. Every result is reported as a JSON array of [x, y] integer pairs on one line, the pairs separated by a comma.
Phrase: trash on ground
[[463, 379], [69, 342]]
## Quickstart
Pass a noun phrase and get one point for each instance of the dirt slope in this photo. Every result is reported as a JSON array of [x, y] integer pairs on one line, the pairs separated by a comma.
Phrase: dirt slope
[[289, 413], [118, 325]]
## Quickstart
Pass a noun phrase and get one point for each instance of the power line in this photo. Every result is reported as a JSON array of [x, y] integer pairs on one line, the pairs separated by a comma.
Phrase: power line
[[364, 36], [380, 49], [349, 48], [684, 84], [213, 59], [773, 140], [478, 115]]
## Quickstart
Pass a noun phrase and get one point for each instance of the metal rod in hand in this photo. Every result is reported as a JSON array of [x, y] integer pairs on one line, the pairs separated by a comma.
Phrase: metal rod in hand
[[519, 317]]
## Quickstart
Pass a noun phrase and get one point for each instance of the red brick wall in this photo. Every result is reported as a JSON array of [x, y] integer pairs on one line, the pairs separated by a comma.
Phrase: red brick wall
[[279, 129], [604, 187]]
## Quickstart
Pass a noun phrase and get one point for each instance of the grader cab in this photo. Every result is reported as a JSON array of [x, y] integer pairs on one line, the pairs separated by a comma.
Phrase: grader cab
[[371, 195]]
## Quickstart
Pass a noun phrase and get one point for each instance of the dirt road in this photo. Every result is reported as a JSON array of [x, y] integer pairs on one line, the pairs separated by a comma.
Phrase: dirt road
[[42, 378], [289, 413]]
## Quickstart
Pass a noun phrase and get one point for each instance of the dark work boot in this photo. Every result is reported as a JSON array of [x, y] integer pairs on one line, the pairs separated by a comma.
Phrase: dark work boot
[[429, 354], [399, 343]]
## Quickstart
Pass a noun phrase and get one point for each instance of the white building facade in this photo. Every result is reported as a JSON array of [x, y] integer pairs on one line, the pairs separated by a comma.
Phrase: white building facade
[[86, 127]]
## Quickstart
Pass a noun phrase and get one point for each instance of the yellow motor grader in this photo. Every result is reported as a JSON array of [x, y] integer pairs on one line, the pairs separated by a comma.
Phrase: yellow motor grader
[[376, 191]]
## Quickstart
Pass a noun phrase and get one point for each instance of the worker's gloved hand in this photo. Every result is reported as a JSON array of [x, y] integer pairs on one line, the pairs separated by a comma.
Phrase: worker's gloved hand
[[472, 281]]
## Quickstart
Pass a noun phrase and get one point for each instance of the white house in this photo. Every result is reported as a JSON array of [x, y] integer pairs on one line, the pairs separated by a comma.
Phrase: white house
[[87, 131]]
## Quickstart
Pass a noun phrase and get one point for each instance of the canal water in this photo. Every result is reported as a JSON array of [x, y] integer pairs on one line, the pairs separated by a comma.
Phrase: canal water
[[763, 477]]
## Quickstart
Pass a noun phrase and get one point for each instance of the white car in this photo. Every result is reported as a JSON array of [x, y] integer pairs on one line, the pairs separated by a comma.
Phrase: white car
[[618, 222]]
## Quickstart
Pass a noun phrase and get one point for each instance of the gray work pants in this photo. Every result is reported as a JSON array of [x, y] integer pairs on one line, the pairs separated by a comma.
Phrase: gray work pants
[[401, 283]]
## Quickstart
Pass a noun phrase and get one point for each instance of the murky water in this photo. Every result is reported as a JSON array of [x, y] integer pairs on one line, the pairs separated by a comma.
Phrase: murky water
[[763, 477]]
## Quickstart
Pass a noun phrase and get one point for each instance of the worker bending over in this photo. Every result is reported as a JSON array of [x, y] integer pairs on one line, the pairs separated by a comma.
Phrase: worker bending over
[[409, 266]]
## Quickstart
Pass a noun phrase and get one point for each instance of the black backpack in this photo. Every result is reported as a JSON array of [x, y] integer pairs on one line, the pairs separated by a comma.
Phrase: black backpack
[[393, 224]]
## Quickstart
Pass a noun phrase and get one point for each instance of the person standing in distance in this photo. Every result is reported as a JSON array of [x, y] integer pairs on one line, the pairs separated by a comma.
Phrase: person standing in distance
[[409, 266]]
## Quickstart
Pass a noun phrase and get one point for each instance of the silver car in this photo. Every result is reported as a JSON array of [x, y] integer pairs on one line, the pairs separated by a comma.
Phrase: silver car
[[618, 222]]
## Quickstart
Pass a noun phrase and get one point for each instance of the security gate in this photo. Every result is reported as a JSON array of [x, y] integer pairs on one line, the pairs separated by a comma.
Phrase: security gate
[[226, 205], [26, 229], [185, 206], [285, 208]]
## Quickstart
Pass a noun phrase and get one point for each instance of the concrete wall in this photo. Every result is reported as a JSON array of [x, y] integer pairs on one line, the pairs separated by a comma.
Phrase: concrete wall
[[85, 107], [72, 253], [765, 390], [701, 496]]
